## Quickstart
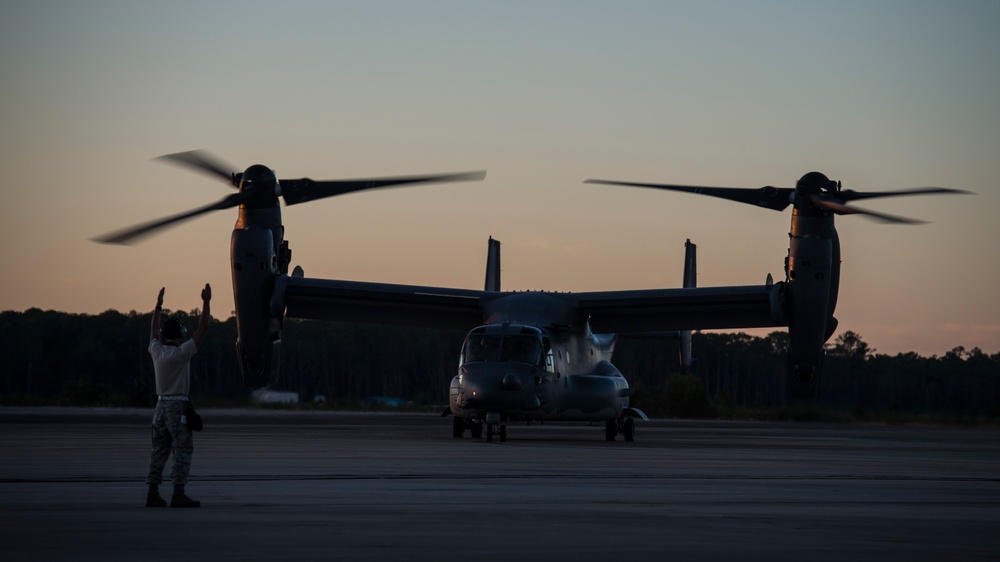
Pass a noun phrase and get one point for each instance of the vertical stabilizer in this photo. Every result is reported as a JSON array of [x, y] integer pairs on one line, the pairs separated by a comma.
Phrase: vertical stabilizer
[[690, 264], [690, 280], [493, 266]]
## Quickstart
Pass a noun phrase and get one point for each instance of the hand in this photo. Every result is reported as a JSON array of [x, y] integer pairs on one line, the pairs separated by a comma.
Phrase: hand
[[159, 298], [206, 293]]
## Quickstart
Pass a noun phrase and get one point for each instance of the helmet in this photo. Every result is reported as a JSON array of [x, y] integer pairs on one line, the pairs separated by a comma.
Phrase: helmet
[[172, 328]]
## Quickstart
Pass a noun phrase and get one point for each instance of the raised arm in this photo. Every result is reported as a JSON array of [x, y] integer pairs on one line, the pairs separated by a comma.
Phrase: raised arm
[[154, 324], [206, 315]]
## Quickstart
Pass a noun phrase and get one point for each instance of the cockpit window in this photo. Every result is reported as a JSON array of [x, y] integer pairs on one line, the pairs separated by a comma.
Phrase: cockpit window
[[517, 348], [522, 349], [481, 347]]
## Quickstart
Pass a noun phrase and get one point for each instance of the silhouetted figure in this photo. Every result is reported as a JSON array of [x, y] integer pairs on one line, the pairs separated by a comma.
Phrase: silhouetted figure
[[172, 366]]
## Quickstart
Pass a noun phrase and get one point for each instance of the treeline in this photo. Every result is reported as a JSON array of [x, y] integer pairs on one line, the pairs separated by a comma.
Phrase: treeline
[[56, 357], [79, 358]]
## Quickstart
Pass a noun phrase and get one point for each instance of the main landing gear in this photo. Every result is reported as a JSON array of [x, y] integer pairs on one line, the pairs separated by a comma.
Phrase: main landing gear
[[625, 426]]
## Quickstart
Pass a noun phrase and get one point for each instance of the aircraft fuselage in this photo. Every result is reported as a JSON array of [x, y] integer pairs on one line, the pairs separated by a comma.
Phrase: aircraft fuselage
[[536, 360]]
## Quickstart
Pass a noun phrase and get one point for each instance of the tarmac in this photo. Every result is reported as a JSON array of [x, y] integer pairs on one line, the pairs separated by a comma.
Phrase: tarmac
[[293, 485]]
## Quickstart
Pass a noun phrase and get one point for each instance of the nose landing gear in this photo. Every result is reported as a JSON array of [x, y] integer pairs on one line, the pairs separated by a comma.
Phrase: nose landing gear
[[459, 425], [495, 425], [499, 430]]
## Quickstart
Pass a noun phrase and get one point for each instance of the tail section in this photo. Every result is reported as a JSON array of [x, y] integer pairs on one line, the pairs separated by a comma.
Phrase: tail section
[[682, 336], [690, 281], [690, 264], [493, 266]]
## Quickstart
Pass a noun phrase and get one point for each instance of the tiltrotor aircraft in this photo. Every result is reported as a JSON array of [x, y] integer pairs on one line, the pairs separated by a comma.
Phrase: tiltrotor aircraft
[[535, 358], [529, 355]]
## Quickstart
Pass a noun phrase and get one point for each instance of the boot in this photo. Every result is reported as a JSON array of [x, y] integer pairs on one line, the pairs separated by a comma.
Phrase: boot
[[181, 500], [153, 498]]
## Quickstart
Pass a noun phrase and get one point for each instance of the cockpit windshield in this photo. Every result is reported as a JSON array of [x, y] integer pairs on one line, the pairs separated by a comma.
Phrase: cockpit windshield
[[493, 347], [481, 347], [522, 349]]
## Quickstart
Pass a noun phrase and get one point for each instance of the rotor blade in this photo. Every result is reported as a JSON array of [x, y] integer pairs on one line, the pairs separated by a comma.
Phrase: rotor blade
[[305, 189], [201, 161], [842, 209], [133, 234], [777, 198], [851, 195]]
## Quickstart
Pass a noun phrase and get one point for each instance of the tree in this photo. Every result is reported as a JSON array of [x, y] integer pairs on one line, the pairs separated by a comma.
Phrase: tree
[[850, 345]]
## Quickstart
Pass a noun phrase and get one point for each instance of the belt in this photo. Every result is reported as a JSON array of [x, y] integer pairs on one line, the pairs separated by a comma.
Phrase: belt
[[173, 397]]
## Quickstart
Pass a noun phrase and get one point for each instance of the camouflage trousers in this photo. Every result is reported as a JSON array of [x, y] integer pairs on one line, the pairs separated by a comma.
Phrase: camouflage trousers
[[170, 434]]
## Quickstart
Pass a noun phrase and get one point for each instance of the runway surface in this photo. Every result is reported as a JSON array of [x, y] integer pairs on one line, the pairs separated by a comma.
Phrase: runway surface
[[279, 485]]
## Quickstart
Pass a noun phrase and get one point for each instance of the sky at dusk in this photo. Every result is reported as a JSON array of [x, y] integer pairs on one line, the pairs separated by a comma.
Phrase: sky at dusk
[[881, 95]]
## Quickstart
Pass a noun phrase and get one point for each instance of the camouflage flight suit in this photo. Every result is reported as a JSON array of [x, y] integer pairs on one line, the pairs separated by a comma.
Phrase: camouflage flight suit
[[170, 435], [171, 364]]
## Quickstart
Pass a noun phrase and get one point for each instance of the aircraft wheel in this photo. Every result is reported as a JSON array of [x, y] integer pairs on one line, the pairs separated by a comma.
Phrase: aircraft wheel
[[476, 429], [489, 433], [610, 430], [628, 429], [458, 427], [503, 433]]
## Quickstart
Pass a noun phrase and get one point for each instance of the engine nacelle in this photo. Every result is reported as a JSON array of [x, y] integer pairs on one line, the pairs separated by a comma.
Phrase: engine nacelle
[[255, 266], [812, 273], [807, 296]]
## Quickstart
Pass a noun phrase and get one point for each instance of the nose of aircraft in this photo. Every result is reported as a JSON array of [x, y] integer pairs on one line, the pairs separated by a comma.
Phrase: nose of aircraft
[[497, 386], [511, 382]]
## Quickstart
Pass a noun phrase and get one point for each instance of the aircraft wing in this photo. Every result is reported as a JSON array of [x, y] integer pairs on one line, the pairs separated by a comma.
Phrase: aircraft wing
[[379, 303], [623, 312], [703, 308]]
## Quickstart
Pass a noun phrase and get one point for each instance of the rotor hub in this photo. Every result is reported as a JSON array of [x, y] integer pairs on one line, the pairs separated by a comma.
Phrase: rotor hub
[[260, 181], [815, 183]]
